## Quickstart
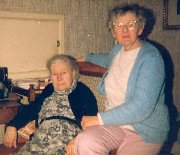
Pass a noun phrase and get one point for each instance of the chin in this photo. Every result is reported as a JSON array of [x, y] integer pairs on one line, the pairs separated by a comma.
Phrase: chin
[[61, 89]]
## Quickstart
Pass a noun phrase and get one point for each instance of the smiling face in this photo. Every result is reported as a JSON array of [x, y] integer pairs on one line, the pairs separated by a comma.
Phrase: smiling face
[[126, 30], [62, 75]]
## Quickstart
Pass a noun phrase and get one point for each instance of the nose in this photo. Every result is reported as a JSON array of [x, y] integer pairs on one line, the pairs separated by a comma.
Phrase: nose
[[125, 28], [59, 76]]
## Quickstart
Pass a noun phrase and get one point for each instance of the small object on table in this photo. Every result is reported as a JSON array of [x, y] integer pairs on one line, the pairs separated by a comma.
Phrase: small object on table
[[31, 93]]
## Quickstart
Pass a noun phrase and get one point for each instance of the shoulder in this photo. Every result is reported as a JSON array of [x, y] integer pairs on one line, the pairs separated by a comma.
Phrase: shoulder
[[149, 48], [49, 88], [116, 48], [47, 91], [82, 87], [81, 92], [149, 52]]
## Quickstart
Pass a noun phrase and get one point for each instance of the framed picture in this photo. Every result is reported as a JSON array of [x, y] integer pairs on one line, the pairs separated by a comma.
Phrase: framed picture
[[171, 14]]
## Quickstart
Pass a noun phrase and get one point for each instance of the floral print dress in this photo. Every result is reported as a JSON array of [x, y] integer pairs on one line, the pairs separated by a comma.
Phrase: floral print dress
[[52, 136]]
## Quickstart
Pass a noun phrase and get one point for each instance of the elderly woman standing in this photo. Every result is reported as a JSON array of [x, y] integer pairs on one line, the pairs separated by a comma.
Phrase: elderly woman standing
[[58, 110], [136, 119]]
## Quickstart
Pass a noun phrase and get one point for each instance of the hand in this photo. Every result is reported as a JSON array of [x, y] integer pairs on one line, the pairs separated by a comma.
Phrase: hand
[[80, 59], [88, 121], [70, 147], [10, 137]]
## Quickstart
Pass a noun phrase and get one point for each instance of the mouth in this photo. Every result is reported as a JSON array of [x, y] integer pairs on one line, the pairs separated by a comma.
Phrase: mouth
[[61, 83], [126, 37]]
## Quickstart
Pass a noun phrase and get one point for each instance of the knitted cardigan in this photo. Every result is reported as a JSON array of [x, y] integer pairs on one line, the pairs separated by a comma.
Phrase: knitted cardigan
[[144, 106], [81, 99]]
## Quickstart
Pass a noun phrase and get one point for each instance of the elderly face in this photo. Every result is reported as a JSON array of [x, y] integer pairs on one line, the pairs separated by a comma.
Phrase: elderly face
[[62, 76], [127, 29]]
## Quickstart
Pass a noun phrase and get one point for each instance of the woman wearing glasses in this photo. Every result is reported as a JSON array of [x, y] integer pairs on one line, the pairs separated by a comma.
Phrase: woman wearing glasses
[[135, 120]]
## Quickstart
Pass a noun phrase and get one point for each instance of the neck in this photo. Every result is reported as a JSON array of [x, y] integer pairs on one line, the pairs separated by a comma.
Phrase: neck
[[135, 44]]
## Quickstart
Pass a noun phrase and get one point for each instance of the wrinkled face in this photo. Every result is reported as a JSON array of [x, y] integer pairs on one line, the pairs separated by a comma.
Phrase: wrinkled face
[[62, 76], [127, 29]]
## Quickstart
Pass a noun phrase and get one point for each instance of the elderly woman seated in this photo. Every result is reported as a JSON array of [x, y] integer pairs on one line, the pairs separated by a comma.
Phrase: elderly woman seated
[[57, 111]]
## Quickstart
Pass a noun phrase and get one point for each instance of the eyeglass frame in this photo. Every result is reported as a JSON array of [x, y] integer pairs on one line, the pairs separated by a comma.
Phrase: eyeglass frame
[[120, 25]]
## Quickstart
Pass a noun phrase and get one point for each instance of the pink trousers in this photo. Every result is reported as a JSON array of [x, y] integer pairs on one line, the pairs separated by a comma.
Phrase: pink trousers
[[100, 140]]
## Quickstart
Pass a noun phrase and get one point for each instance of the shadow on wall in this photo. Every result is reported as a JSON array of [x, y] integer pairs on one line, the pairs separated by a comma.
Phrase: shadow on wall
[[169, 70], [150, 22]]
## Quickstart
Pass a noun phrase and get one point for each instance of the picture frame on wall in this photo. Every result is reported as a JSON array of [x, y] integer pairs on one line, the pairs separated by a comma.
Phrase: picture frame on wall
[[171, 14]]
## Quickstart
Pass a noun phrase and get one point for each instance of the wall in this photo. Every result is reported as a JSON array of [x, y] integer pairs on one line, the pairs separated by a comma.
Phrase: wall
[[28, 38], [85, 28]]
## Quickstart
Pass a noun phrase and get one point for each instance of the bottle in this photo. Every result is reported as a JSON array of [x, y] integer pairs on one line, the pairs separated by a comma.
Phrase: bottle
[[31, 93]]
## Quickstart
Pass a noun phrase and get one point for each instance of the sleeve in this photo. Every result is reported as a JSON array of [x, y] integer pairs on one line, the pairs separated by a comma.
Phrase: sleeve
[[98, 59], [90, 103], [83, 102], [141, 104], [27, 113], [103, 60]]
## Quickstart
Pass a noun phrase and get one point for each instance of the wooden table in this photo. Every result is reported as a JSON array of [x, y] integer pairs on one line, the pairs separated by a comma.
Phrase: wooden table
[[90, 69], [8, 109]]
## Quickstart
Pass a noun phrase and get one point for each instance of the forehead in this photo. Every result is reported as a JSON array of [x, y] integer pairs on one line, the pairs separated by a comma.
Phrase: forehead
[[125, 17], [61, 65]]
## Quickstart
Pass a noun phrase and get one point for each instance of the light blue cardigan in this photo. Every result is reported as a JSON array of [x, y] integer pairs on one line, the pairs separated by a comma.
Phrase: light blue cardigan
[[144, 106]]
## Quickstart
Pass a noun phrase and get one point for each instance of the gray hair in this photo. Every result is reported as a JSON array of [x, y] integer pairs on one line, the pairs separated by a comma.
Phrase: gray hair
[[64, 58], [117, 11]]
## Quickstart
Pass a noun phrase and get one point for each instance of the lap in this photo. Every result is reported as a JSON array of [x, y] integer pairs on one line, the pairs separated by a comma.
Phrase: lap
[[51, 137], [139, 147], [102, 139]]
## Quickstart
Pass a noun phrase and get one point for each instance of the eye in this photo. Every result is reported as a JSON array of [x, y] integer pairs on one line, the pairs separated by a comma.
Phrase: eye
[[131, 24], [119, 25], [64, 72], [54, 74]]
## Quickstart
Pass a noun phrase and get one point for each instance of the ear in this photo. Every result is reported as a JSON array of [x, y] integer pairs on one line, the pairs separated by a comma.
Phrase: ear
[[113, 33], [140, 30], [74, 74]]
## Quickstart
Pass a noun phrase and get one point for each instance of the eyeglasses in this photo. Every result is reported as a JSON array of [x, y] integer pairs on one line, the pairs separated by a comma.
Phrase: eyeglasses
[[131, 25]]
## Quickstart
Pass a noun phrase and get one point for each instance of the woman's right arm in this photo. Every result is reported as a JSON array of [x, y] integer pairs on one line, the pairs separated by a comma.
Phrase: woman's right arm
[[97, 59], [27, 113], [102, 60]]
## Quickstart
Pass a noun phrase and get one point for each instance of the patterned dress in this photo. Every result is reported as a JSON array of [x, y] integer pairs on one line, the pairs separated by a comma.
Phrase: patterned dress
[[52, 136]]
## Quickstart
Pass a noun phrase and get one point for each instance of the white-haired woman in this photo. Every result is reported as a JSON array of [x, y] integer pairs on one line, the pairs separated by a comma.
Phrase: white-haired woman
[[58, 110]]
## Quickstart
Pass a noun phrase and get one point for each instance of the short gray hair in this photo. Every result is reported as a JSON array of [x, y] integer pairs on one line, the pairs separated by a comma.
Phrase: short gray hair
[[64, 58], [117, 11]]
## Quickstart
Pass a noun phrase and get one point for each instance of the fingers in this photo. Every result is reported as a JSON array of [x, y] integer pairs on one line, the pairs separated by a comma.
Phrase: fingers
[[10, 142], [10, 137], [15, 144], [85, 122], [88, 121], [70, 149]]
